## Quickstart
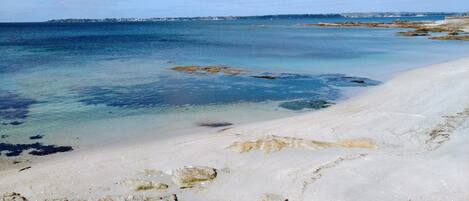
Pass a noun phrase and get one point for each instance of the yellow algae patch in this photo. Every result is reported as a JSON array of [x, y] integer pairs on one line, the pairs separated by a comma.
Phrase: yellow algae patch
[[274, 143], [140, 185], [357, 143], [189, 177], [208, 69]]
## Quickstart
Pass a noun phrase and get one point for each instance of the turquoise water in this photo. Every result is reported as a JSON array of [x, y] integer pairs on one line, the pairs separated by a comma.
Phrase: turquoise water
[[75, 84]]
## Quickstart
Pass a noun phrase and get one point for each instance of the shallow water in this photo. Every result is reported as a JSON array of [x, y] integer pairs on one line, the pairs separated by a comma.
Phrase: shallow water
[[86, 85]]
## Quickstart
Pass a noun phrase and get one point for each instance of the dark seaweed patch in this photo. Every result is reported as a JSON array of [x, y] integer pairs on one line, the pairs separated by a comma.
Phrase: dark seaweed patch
[[305, 104], [13, 106], [36, 137], [265, 77], [15, 123], [3, 136], [23, 169], [214, 124], [274, 76], [38, 149]]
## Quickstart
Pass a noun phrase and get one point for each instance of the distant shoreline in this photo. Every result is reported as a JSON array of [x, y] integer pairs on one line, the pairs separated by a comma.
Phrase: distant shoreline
[[279, 16]]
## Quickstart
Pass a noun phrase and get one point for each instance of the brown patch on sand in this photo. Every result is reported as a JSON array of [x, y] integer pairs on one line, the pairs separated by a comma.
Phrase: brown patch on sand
[[273, 143], [442, 132], [141, 185], [189, 177]]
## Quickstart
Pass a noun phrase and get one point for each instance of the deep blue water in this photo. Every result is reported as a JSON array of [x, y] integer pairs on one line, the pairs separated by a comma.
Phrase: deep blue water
[[54, 74]]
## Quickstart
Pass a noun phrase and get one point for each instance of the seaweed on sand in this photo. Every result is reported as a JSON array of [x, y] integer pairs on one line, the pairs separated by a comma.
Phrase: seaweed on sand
[[38, 149]]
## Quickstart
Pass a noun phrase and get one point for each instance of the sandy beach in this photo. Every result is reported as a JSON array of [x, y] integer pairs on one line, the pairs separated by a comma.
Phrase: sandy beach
[[403, 140]]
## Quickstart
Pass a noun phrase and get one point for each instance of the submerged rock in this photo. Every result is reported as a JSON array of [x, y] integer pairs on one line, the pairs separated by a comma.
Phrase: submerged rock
[[274, 143], [208, 69], [176, 91], [189, 177], [341, 80], [305, 104], [413, 33], [451, 37], [275, 76], [12, 196], [13, 106]]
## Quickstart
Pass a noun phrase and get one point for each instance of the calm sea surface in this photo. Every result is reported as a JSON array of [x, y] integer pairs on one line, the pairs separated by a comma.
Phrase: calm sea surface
[[90, 84]]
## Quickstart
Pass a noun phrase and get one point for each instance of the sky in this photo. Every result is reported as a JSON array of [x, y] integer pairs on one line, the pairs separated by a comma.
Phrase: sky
[[41, 10]]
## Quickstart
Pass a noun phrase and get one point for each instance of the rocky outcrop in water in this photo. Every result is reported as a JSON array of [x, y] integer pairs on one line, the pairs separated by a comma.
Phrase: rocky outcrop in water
[[413, 33], [395, 24], [421, 28]]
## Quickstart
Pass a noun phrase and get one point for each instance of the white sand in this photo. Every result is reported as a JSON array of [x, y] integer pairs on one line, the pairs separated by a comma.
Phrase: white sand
[[400, 116]]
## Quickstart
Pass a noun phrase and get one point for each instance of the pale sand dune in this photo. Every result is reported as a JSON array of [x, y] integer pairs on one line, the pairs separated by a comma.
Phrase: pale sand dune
[[404, 140]]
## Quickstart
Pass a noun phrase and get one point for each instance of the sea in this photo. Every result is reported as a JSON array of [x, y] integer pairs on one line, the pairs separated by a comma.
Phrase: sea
[[80, 86]]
